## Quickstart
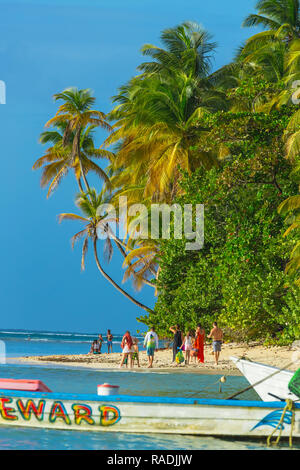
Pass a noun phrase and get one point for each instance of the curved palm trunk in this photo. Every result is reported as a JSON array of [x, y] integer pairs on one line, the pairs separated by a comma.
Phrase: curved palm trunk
[[109, 279], [80, 185], [83, 176], [76, 149]]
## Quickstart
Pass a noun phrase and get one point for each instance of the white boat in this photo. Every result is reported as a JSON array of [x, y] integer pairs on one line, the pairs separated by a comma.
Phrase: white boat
[[273, 388], [139, 414]]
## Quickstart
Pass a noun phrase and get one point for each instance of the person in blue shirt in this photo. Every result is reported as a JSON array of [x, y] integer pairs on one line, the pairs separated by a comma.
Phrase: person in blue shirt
[[151, 344]]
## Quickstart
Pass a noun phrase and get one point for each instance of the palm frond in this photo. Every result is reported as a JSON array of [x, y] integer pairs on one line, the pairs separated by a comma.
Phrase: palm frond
[[67, 216], [78, 236]]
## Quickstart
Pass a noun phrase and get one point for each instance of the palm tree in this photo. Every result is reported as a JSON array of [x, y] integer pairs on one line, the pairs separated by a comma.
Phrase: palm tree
[[157, 113], [188, 49], [264, 56], [292, 134], [157, 125], [142, 262], [58, 159], [262, 73], [281, 19], [96, 223], [292, 206], [76, 114]]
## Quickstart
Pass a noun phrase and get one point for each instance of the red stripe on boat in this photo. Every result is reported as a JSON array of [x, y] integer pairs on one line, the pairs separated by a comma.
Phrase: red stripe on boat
[[25, 385], [107, 385]]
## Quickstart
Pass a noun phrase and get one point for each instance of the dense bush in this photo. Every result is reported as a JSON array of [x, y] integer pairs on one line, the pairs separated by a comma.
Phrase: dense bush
[[238, 277]]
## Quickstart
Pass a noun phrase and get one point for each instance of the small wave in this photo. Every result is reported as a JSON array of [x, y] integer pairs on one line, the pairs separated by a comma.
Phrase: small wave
[[14, 333], [54, 334], [58, 341]]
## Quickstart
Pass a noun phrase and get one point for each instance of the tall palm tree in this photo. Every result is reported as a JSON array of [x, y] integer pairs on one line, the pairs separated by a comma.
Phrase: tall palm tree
[[188, 48], [157, 124], [58, 159], [96, 223], [76, 114], [280, 18], [269, 61], [157, 113]]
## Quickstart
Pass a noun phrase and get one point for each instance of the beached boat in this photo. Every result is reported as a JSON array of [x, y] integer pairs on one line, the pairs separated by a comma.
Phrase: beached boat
[[273, 388], [139, 414]]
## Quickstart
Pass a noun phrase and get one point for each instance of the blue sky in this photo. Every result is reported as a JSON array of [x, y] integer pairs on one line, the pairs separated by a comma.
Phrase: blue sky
[[45, 47]]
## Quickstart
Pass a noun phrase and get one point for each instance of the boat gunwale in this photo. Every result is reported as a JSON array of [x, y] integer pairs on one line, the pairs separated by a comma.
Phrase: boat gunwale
[[144, 399], [235, 360]]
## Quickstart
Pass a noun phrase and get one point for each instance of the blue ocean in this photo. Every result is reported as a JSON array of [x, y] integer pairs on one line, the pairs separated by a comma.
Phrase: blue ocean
[[84, 380], [43, 343]]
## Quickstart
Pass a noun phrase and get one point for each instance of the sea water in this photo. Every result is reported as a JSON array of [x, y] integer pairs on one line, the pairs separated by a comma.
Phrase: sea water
[[142, 382], [42, 343]]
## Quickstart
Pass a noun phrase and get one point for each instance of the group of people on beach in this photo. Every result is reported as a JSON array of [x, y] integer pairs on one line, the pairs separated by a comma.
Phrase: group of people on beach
[[191, 343], [97, 343], [130, 348]]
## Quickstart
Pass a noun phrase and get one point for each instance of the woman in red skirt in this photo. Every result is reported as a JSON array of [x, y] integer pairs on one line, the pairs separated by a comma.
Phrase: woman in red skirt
[[199, 343]]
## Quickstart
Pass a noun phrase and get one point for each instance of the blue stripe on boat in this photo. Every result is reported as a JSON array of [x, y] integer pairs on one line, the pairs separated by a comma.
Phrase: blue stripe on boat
[[141, 399]]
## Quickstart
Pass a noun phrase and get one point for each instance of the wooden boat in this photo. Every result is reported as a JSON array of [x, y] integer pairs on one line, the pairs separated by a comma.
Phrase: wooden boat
[[272, 389], [139, 414]]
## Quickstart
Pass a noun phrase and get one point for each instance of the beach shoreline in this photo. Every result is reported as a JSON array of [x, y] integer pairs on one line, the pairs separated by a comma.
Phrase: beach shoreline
[[277, 356]]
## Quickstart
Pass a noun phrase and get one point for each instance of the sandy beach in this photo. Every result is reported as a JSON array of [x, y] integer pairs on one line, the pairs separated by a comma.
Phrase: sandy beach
[[278, 356]]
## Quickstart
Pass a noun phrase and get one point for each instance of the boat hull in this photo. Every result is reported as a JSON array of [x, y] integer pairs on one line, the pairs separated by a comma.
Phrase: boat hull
[[272, 388], [123, 413]]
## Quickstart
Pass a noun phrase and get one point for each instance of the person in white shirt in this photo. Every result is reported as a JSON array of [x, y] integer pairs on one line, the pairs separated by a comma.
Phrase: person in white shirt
[[151, 344]]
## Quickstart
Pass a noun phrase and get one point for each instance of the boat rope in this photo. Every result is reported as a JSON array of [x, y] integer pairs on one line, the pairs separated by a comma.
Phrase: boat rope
[[219, 381], [259, 382], [288, 407]]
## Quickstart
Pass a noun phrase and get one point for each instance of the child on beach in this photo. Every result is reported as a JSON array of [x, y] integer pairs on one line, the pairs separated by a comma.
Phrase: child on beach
[[135, 355], [127, 349], [194, 351], [188, 346], [95, 347]]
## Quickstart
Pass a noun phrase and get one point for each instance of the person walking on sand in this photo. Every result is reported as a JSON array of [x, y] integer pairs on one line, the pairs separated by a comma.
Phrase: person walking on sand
[[188, 346], [109, 341], [177, 340], [199, 343], [194, 351], [127, 349], [217, 335], [151, 344]]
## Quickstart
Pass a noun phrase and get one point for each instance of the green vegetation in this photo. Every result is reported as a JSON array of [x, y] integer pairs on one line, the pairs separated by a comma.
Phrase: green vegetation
[[238, 276], [229, 139]]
